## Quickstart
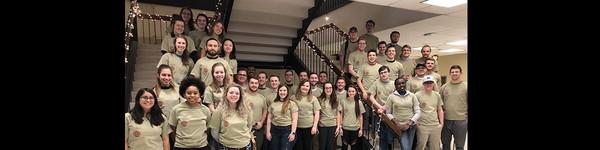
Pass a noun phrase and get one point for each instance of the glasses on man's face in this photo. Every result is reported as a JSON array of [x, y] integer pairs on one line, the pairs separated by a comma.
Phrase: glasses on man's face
[[146, 98]]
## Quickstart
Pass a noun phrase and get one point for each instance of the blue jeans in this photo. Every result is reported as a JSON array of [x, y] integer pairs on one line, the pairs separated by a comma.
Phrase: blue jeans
[[407, 138], [386, 136], [279, 138]]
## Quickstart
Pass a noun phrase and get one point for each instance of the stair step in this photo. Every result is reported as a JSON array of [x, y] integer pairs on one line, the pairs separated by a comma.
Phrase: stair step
[[261, 29], [283, 8], [259, 57], [143, 84], [260, 17], [252, 49], [261, 40]]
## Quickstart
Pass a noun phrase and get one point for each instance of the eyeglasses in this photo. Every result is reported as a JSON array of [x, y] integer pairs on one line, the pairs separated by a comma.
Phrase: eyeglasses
[[147, 98]]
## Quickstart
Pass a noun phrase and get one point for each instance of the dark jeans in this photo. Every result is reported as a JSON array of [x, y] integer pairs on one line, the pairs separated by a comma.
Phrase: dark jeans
[[304, 139], [223, 147], [350, 137], [202, 148], [327, 139], [386, 136], [279, 138]]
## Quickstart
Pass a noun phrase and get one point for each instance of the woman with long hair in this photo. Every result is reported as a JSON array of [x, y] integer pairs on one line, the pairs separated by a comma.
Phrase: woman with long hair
[[231, 122], [330, 118], [145, 124], [282, 119], [214, 92], [352, 119], [308, 115]]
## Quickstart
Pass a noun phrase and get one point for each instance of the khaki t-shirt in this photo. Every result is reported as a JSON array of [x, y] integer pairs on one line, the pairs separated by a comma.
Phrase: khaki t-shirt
[[144, 136], [197, 36], [167, 44], [191, 125], [214, 96], [371, 39], [269, 95], [328, 114], [306, 110], [382, 90], [357, 58], [316, 91], [350, 120], [429, 103], [408, 64], [403, 107], [179, 70], [438, 79], [415, 84], [341, 96], [234, 130], [167, 99], [381, 59], [455, 100], [396, 69], [233, 64], [203, 68], [257, 103], [282, 119], [369, 73]]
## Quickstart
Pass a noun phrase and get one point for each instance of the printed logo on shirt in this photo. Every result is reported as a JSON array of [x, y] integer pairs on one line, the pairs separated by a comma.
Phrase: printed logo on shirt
[[184, 123], [423, 104], [137, 133], [205, 70], [225, 124], [251, 105]]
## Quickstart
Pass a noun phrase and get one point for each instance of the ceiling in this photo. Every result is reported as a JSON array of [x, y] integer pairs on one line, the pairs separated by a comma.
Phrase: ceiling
[[411, 18]]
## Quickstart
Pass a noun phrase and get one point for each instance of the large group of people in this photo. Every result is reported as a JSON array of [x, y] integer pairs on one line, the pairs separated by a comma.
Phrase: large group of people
[[202, 100]]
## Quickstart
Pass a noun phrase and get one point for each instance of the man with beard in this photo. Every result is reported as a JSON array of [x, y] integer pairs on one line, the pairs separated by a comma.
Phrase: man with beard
[[203, 67], [258, 104]]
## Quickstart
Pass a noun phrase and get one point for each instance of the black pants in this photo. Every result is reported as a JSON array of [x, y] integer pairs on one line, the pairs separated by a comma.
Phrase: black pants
[[202, 148], [279, 138], [304, 139], [350, 137], [327, 139]]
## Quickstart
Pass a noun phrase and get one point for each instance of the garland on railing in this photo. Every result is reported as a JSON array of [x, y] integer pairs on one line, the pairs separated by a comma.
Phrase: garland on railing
[[135, 12], [320, 54], [327, 26]]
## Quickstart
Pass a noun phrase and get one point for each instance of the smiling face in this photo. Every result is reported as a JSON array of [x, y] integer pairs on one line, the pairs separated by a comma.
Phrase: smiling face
[[165, 77], [192, 95], [233, 94], [147, 101]]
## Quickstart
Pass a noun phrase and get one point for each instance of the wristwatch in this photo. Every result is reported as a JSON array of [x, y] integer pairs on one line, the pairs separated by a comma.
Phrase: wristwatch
[[293, 133]]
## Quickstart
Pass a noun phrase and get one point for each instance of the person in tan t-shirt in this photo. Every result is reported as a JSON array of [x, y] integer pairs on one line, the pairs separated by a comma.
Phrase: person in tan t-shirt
[[145, 125], [231, 124], [282, 120], [189, 119]]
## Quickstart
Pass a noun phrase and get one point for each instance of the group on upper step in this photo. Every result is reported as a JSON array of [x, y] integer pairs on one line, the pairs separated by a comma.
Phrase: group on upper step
[[198, 102]]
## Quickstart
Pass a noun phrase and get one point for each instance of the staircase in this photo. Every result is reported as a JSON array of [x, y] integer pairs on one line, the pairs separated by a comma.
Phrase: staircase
[[145, 75], [263, 29]]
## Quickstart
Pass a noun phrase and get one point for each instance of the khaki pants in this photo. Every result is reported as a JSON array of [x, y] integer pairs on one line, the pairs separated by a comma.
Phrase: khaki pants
[[430, 136]]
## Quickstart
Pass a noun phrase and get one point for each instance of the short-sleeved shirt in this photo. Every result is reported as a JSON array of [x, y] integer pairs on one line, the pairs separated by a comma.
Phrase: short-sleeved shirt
[[233, 64], [328, 113], [357, 58], [306, 110], [409, 65], [191, 124], [203, 68], [429, 103], [278, 117], [257, 103], [233, 128], [382, 90], [396, 69], [167, 44], [369, 73], [341, 95], [316, 91], [214, 96], [180, 71], [145, 135], [455, 100], [167, 99], [372, 41], [350, 120], [197, 36]]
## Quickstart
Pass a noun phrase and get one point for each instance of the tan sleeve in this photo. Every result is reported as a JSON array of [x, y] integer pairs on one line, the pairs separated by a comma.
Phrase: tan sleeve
[[127, 122]]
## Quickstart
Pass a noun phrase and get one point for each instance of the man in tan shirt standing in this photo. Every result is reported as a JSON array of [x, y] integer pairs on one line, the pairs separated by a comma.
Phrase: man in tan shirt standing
[[454, 96]]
